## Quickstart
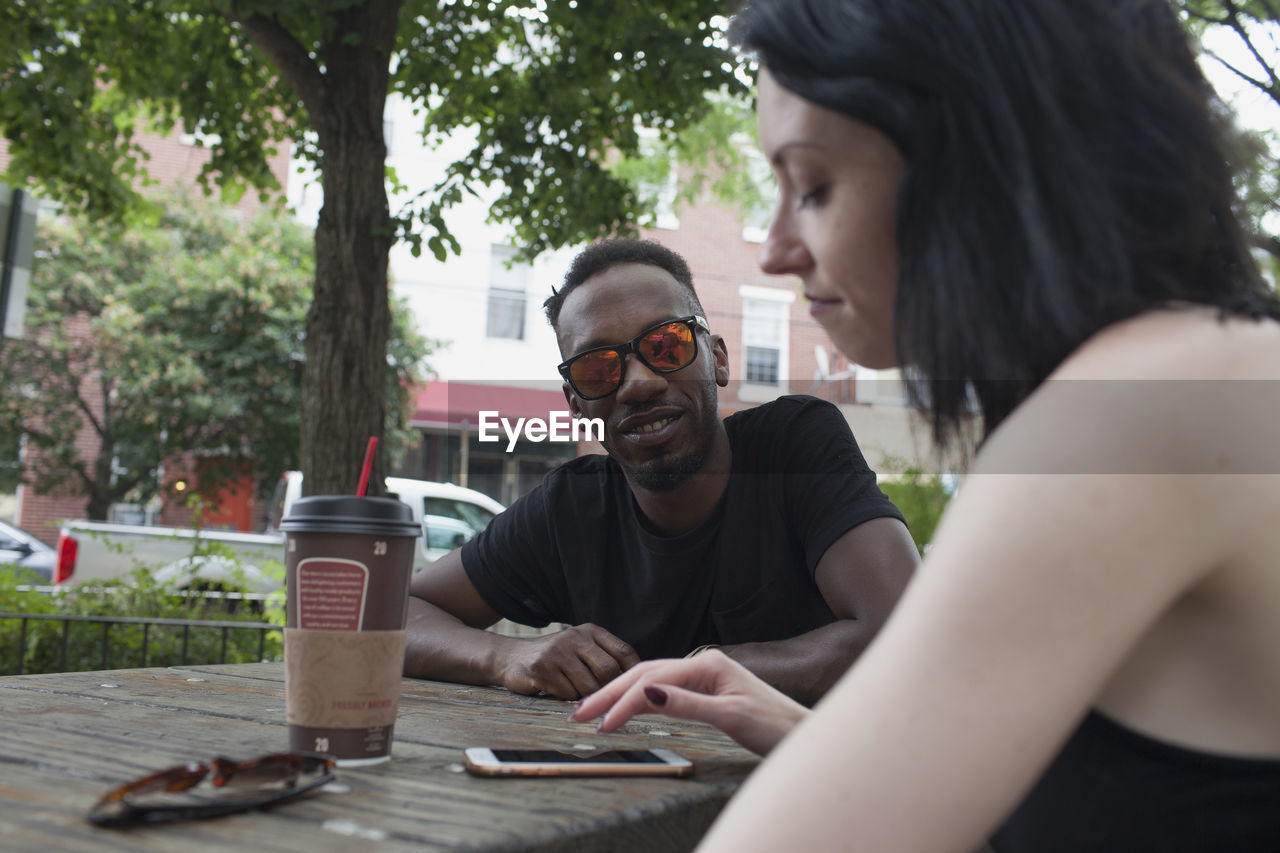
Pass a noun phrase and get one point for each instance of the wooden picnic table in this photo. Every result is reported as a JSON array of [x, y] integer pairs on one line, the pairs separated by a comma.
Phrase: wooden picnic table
[[66, 738]]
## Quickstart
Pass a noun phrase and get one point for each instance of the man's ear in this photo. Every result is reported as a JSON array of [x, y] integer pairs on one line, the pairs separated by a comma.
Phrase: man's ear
[[720, 358], [575, 411]]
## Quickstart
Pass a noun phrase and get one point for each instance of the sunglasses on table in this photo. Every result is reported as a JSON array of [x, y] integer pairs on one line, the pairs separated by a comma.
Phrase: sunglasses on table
[[664, 348], [235, 786]]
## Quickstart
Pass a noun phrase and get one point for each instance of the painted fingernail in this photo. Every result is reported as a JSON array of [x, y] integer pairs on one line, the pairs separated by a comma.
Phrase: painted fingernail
[[656, 695]]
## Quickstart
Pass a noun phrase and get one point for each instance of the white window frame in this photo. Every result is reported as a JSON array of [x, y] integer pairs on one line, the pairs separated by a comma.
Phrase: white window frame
[[755, 392], [664, 210], [755, 222], [507, 282]]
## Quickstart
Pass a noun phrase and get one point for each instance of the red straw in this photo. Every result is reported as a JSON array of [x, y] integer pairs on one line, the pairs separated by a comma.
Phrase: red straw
[[368, 463]]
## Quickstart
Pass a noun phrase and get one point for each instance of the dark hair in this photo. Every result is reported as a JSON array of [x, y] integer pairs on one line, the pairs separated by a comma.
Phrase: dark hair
[[600, 256], [1065, 170]]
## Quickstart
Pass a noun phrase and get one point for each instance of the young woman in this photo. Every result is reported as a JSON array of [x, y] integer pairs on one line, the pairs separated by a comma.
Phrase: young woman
[[1027, 204]]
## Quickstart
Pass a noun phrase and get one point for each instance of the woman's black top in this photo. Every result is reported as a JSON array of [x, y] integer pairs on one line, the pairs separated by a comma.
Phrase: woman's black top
[[1114, 789]]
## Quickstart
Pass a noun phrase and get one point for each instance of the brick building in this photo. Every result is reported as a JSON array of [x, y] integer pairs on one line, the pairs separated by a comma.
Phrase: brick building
[[175, 161]]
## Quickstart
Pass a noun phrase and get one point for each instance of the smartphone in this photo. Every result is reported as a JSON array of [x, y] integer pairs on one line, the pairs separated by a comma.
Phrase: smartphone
[[492, 761]]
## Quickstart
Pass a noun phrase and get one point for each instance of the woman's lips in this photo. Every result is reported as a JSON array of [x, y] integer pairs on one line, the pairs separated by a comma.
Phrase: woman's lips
[[818, 307]]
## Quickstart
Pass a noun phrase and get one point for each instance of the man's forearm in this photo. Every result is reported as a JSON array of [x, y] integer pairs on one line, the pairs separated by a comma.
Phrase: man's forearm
[[442, 647], [805, 667]]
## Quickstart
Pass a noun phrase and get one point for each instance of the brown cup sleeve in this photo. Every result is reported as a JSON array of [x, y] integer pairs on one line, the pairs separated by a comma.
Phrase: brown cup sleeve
[[342, 679]]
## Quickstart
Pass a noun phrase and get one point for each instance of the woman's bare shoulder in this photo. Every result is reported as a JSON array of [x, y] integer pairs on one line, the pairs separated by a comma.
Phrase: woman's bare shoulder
[[1173, 392], [1188, 343]]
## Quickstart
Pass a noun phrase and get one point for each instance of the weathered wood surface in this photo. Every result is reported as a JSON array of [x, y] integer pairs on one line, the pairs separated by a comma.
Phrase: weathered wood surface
[[66, 738]]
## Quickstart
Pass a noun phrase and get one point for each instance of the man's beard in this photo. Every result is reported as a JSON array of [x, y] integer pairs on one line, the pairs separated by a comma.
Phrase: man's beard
[[666, 473]]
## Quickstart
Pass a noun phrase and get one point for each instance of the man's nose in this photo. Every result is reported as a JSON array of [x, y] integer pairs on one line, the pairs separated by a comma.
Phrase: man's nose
[[641, 382]]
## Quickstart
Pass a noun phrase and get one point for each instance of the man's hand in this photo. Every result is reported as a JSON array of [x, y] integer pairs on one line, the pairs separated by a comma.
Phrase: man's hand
[[568, 664], [447, 640]]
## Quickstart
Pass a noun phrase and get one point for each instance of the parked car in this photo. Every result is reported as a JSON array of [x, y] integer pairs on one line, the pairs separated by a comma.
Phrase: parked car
[[90, 550], [21, 549]]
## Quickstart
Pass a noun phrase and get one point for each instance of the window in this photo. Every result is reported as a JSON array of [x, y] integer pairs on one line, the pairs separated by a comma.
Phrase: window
[[655, 175], [759, 176], [507, 282], [449, 523], [766, 339], [663, 195], [474, 516], [445, 534], [762, 365]]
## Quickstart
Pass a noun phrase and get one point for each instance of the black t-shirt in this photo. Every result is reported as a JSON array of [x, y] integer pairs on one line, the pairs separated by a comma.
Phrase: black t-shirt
[[575, 549]]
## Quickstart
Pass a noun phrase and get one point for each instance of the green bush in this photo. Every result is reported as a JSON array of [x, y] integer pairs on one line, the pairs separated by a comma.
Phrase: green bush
[[135, 595], [920, 497]]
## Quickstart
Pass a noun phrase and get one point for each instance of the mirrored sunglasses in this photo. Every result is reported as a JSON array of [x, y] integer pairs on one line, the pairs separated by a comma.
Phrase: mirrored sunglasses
[[664, 348], [233, 786]]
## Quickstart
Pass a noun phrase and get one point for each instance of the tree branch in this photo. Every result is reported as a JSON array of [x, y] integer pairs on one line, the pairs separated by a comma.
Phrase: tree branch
[[81, 470], [61, 366], [1204, 16], [35, 434], [287, 54], [1270, 9], [1265, 242], [83, 405], [1259, 84], [1233, 17]]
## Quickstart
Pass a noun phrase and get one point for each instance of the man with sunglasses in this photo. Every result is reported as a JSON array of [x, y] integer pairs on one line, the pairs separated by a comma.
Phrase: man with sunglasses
[[764, 533]]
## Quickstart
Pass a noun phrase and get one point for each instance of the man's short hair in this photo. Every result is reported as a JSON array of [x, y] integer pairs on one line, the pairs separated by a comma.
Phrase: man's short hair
[[600, 256]]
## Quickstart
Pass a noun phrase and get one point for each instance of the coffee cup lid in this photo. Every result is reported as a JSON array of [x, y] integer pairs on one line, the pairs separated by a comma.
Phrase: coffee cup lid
[[351, 514]]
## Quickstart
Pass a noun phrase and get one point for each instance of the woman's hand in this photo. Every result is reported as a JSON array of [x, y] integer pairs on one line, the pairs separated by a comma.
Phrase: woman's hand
[[709, 687]]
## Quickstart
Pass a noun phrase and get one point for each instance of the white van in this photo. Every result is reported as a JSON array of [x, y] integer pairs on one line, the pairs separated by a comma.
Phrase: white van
[[450, 515]]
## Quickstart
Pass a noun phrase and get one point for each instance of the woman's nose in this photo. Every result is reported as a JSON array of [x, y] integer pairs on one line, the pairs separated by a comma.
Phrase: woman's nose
[[782, 252]]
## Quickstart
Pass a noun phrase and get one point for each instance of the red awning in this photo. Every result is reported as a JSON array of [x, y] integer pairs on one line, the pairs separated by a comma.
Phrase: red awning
[[446, 404]]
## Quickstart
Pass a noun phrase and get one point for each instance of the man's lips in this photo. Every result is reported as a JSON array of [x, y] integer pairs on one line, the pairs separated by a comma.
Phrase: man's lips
[[652, 427], [649, 419]]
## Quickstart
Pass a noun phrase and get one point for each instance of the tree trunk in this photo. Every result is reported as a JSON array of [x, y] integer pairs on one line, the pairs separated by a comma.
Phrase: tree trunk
[[100, 493], [344, 381]]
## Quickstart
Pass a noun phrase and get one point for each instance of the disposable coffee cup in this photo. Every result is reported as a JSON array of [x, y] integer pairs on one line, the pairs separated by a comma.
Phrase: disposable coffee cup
[[348, 562]]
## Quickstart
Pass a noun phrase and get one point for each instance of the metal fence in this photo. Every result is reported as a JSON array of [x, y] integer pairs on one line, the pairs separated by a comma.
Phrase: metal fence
[[263, 628]]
